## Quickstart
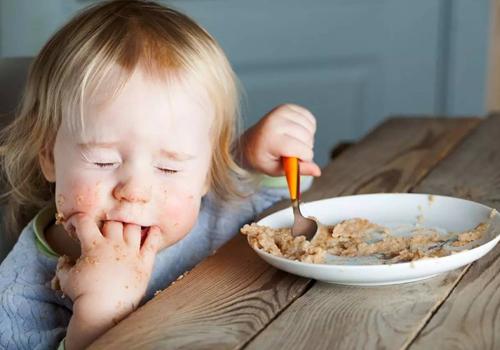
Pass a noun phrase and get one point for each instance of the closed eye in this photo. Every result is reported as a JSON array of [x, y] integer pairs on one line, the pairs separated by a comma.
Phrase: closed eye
[[104, 165], [167, 171]]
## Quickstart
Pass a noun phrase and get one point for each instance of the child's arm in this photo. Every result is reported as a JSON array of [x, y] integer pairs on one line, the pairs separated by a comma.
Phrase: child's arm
[[287, 130], [108, 280]]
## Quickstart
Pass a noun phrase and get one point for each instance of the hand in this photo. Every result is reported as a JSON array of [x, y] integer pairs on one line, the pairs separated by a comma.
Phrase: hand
[[109, 279], [288, 130]]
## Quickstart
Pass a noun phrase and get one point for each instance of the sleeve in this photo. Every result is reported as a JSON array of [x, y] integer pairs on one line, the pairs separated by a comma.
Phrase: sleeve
[[32, 315]]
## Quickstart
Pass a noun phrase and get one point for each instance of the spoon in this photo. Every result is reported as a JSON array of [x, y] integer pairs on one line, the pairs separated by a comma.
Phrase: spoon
[[301, 226]]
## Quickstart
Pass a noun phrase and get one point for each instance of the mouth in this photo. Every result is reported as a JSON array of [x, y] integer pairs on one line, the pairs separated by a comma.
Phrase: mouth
[[144, 233], [144, 229]]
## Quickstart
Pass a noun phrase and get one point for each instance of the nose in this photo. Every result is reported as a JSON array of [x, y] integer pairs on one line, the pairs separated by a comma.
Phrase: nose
[[133, 190]]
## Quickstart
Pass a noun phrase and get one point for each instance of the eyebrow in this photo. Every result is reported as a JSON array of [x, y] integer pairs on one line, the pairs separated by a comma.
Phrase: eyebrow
[[178, 156], [97, 145]]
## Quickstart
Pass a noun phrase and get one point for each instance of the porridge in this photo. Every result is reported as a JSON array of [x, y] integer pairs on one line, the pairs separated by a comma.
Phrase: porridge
[[359, 237]]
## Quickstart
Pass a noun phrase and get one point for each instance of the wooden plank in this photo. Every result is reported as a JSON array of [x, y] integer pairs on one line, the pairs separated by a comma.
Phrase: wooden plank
[[231, 296], [332, 316], [470, 317], [387, 317]]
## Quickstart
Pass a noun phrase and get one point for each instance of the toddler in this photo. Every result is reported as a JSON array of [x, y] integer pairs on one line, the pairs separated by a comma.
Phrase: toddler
[[125, 160]]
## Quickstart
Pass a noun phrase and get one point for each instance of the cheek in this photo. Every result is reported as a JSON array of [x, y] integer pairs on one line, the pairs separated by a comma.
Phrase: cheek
[[178, 215], [79, 196]]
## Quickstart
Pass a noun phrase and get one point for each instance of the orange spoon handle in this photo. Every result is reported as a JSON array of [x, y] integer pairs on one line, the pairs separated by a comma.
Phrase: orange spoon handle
[[291, 166]]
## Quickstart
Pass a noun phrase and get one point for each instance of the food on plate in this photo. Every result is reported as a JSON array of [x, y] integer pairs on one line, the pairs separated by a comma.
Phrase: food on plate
[[359, 237]]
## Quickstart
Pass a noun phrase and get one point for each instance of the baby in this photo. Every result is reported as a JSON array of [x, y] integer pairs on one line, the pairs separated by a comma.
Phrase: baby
[[127, 135]]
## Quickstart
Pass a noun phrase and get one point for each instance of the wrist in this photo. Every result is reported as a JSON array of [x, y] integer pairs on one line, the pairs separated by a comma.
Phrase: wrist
[[81, 333], [86, 325]]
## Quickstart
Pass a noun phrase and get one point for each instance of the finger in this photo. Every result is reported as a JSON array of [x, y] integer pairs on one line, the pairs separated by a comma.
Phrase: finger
[[293, 147], [86, 230], [295, 117], [304, 115], [298, 131], [70, 229], [113, 230], [63, 269], [305, 112], [132, 236], [151, 245], [310, 168]]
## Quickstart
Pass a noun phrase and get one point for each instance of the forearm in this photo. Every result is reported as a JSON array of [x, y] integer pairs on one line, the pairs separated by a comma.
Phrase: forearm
[[81, 333], [83, 330]]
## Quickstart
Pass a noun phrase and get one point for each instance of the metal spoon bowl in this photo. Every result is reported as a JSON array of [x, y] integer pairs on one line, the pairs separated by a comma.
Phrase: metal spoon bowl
[[302, 226]]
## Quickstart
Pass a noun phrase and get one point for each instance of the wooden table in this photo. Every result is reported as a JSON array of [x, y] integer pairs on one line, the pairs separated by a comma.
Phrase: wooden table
[[234, 300]]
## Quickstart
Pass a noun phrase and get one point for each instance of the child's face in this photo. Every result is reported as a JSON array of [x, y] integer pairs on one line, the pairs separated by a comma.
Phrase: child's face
[[145, 160]]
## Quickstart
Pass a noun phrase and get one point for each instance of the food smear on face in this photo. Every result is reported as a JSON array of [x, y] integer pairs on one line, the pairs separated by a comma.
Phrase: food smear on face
[[59, 218], [359, 237]]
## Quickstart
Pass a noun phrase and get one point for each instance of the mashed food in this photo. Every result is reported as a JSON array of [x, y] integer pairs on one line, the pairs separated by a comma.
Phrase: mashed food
[[359, 237]]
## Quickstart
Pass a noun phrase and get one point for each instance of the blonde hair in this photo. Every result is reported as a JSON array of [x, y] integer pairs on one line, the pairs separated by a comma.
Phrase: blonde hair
[[79, 58]]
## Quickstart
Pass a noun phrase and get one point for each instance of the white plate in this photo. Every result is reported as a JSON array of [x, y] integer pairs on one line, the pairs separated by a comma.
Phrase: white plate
[[444, 213]]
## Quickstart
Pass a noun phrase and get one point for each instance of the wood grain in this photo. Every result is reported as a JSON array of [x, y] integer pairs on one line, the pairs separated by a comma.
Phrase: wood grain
[[232, 296], [332, 316], [470, 317]]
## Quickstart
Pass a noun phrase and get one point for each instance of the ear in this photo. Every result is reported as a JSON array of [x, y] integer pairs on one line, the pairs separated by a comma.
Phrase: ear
[[46, 159]]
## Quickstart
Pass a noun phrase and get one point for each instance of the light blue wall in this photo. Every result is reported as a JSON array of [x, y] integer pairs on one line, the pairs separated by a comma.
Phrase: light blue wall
[[352, 62], [467, 57]]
